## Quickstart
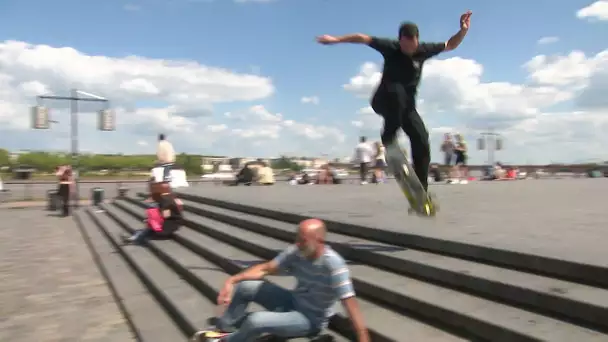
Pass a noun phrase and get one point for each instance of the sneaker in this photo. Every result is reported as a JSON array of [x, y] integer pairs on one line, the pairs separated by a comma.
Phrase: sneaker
[[464, 181], [208, 336], [126, 239], [363, 183]]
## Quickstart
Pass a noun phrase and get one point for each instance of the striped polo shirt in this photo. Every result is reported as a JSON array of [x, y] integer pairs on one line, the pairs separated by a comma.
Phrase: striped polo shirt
[[321, 282]]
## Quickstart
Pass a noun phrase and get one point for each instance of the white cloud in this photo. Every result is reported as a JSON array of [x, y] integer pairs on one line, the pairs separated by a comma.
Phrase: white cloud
[[367, 120], [265, 133], [131, 7], [263, 114], [547, 40], [596, 11], [453, 89], [310, 99], [186, 86], [217, 128], [149, 96], [366, 110], [365, 81]]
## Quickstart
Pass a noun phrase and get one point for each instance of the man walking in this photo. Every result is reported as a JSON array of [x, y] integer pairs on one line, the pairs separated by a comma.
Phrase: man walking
[[363, 156]]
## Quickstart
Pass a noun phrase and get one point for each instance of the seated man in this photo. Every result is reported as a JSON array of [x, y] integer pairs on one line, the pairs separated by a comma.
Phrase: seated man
[[305, 179], [325, 176], [245, 176], [163, 217], [265, 175], [323, 278], [499, 171]]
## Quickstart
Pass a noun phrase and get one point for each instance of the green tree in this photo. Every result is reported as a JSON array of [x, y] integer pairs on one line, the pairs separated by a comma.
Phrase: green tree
[[285, 163], [5, 158], [190, 163]]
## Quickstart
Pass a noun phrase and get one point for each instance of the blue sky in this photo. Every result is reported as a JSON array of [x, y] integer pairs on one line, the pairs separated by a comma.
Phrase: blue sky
[[275, 39]]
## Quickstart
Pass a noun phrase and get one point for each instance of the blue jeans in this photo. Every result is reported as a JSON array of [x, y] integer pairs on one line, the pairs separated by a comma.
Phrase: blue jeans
[[281, 319], [141, 235]]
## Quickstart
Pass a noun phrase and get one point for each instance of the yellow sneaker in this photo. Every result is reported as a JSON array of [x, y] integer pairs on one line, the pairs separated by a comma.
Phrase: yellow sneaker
[[208, 336]]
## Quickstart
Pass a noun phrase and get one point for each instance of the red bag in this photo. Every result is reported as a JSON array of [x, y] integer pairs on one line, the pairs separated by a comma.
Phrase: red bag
[[155, 219]]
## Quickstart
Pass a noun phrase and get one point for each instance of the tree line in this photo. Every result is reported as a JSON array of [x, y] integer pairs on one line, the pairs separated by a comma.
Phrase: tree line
[[48, 161]]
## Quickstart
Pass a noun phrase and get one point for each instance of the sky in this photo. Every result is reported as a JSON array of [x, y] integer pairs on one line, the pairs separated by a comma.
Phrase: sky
[[246, 77]]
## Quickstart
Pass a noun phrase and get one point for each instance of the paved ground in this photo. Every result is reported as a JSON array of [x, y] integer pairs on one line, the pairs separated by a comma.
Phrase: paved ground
[[50, 288], [559, 218]]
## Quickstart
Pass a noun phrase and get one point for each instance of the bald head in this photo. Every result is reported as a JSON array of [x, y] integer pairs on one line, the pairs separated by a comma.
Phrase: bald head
[[311, 238], [313, 227]]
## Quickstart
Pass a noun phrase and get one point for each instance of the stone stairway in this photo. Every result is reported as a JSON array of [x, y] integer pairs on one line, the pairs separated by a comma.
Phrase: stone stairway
[[410, 288]]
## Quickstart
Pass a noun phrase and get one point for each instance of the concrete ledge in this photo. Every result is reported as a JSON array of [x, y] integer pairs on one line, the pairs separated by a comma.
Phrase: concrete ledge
[[581, 312], [182, 322], [224, 263], [382, 295], [562, 269], [105, 274]]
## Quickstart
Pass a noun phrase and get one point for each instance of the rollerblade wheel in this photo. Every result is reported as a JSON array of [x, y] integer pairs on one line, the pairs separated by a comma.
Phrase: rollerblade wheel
[[434, 203]]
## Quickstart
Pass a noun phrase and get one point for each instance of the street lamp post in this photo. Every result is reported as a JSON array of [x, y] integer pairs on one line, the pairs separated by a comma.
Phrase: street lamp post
[[41, 120], [492, 142]]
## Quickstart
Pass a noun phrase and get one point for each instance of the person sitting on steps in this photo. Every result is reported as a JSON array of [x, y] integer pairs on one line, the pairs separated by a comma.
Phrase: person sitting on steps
[[302, 312], [163, 217]]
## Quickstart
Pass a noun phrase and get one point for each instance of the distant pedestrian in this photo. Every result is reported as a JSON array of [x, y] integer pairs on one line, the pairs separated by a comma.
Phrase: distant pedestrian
[[363, 156]]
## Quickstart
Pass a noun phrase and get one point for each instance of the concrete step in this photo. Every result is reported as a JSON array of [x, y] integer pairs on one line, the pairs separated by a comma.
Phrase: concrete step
[[146, 318], [385, 325], [476, 316], [202, 274], [180, 300], [552, 267], [582, 304]]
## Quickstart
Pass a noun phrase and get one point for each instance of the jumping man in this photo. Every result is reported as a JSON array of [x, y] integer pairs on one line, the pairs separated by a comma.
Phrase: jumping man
[[395, 97]]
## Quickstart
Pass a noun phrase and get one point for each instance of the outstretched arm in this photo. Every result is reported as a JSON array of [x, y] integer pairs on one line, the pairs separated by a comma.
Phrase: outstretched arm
[[384, 46], [356, 38], [455, 40]]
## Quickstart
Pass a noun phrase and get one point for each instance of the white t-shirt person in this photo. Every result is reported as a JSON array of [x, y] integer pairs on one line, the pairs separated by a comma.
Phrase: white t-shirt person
[[364, 153]]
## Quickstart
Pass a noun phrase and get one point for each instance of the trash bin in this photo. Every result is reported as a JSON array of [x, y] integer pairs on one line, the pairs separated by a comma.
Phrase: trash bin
[[52, 197], [97, 196]]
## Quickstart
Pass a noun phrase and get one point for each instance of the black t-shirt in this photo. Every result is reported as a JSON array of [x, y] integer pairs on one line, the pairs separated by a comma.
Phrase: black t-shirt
[[400, 68], [167, 202]]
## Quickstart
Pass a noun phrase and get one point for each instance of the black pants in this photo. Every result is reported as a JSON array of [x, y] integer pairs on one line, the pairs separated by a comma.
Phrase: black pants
[[64, 195], [397, 106], [363, 169]]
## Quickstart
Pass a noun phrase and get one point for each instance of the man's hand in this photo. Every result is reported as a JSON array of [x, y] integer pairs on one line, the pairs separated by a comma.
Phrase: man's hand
[[465, 20], [327, 39], [465, 23], [225, 295], [356, 317]]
